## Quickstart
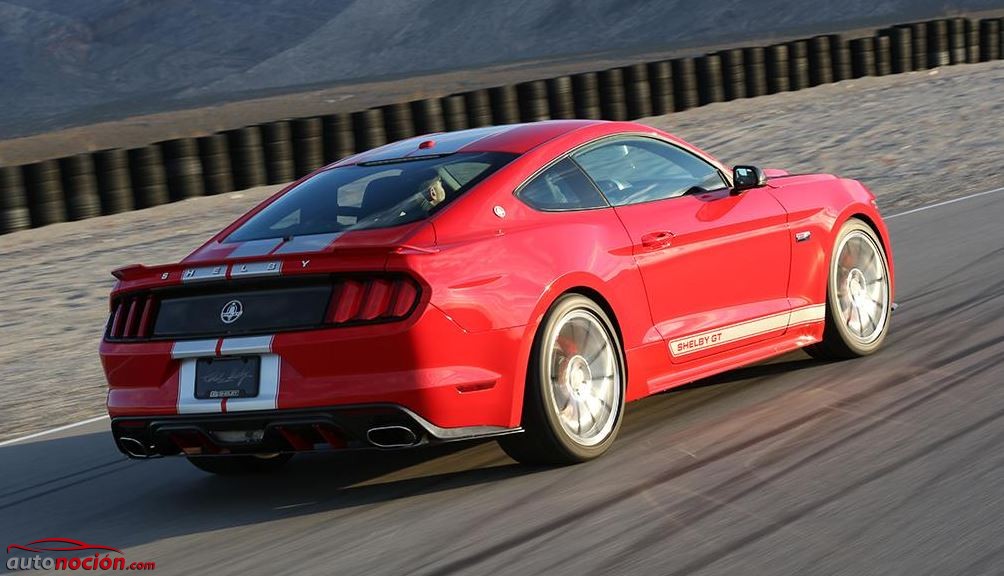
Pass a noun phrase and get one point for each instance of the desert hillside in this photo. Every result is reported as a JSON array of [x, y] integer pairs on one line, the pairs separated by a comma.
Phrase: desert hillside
[[69, 63]]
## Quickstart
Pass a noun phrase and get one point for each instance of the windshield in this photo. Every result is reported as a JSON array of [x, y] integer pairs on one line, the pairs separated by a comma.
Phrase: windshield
[[373, 195]]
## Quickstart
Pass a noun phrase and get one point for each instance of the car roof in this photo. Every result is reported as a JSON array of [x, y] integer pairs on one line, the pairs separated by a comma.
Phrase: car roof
[[509, 138]]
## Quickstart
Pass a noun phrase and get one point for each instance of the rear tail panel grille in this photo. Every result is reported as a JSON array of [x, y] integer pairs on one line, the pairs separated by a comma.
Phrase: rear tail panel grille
[[234, 308]]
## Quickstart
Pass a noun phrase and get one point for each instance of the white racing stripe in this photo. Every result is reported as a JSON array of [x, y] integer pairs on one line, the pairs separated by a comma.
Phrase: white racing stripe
[[99, 418], [268, 376]]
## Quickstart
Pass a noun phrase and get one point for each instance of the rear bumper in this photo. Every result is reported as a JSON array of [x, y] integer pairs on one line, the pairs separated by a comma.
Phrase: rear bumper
[[427, 366], [379, 426]]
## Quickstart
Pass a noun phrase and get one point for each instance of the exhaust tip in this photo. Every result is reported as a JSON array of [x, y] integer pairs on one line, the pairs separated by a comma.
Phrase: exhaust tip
[[134, 447], [391, 436]]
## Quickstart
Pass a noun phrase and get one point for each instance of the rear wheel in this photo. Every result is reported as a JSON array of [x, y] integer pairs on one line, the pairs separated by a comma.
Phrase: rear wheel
[[574, 397], [858, 302], [240, 465]]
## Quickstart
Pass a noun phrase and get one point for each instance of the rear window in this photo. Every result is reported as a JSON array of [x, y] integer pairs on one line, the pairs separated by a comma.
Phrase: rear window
[[367, 196]]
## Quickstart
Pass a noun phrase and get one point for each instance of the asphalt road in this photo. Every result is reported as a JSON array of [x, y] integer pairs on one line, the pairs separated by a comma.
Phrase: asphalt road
[[887, 465]]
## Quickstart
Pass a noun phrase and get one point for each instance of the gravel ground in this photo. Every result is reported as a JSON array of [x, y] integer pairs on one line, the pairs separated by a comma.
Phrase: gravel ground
[[912, 138]]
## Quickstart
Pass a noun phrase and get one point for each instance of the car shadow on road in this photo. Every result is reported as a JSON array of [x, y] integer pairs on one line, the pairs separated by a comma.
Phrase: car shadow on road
[[84, 477]]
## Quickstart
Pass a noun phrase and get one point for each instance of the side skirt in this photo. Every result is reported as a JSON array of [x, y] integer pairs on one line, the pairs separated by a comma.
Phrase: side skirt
[[795, 338]]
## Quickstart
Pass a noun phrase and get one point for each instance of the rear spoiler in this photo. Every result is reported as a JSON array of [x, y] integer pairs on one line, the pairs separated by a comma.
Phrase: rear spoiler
[[137, 271]]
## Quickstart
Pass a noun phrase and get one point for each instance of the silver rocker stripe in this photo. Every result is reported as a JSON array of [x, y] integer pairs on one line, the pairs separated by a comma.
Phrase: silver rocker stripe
[[742, 330], [814, 313]]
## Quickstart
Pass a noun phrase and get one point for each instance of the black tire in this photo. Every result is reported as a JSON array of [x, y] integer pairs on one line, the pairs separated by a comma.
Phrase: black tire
[[241, 465], [544, 439], [839, 340]]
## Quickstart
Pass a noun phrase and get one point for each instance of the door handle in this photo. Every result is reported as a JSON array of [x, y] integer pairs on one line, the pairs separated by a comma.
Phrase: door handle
[[656, 240]]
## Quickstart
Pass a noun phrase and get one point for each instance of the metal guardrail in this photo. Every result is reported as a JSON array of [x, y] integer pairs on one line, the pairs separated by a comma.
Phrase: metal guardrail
[[113, 181]]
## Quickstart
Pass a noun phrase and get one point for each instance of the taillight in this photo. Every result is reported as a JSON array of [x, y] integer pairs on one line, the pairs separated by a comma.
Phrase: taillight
[[132, 317], [371, 300]]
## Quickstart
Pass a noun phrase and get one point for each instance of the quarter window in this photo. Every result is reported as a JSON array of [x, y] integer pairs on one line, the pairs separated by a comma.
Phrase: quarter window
[[563, 186], [635, 170]]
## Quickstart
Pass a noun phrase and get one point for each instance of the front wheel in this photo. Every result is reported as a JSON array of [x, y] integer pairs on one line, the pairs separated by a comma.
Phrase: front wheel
[[240, 465], [858, 299], [574, 397]]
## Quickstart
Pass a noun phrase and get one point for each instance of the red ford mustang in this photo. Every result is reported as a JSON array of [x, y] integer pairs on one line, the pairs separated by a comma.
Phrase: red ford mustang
[[520, 282]]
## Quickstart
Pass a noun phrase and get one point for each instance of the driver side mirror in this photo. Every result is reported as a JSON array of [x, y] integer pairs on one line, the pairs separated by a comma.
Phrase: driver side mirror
[[746, 177]]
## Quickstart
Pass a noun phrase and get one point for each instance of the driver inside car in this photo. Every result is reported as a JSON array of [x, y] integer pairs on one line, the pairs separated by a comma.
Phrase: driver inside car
[[432, 193]]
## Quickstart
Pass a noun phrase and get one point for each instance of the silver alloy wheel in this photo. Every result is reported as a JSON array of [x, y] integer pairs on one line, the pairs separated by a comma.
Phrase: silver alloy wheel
[[584, 376], [861, 282]]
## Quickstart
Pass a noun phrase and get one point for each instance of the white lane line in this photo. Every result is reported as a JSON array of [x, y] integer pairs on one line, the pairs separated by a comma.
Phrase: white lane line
[[52, 431], [99, 418], [945, 203]]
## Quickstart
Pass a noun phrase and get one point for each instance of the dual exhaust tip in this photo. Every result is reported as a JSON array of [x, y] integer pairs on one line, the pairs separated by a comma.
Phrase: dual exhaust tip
[[393, 436], [134, 447]]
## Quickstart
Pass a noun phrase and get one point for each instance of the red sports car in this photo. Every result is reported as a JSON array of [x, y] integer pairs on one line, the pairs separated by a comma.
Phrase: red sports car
[[520, 282]]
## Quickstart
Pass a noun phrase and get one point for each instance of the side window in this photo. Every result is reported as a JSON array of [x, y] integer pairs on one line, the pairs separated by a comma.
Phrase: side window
[[563, 186], [635, 170]]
